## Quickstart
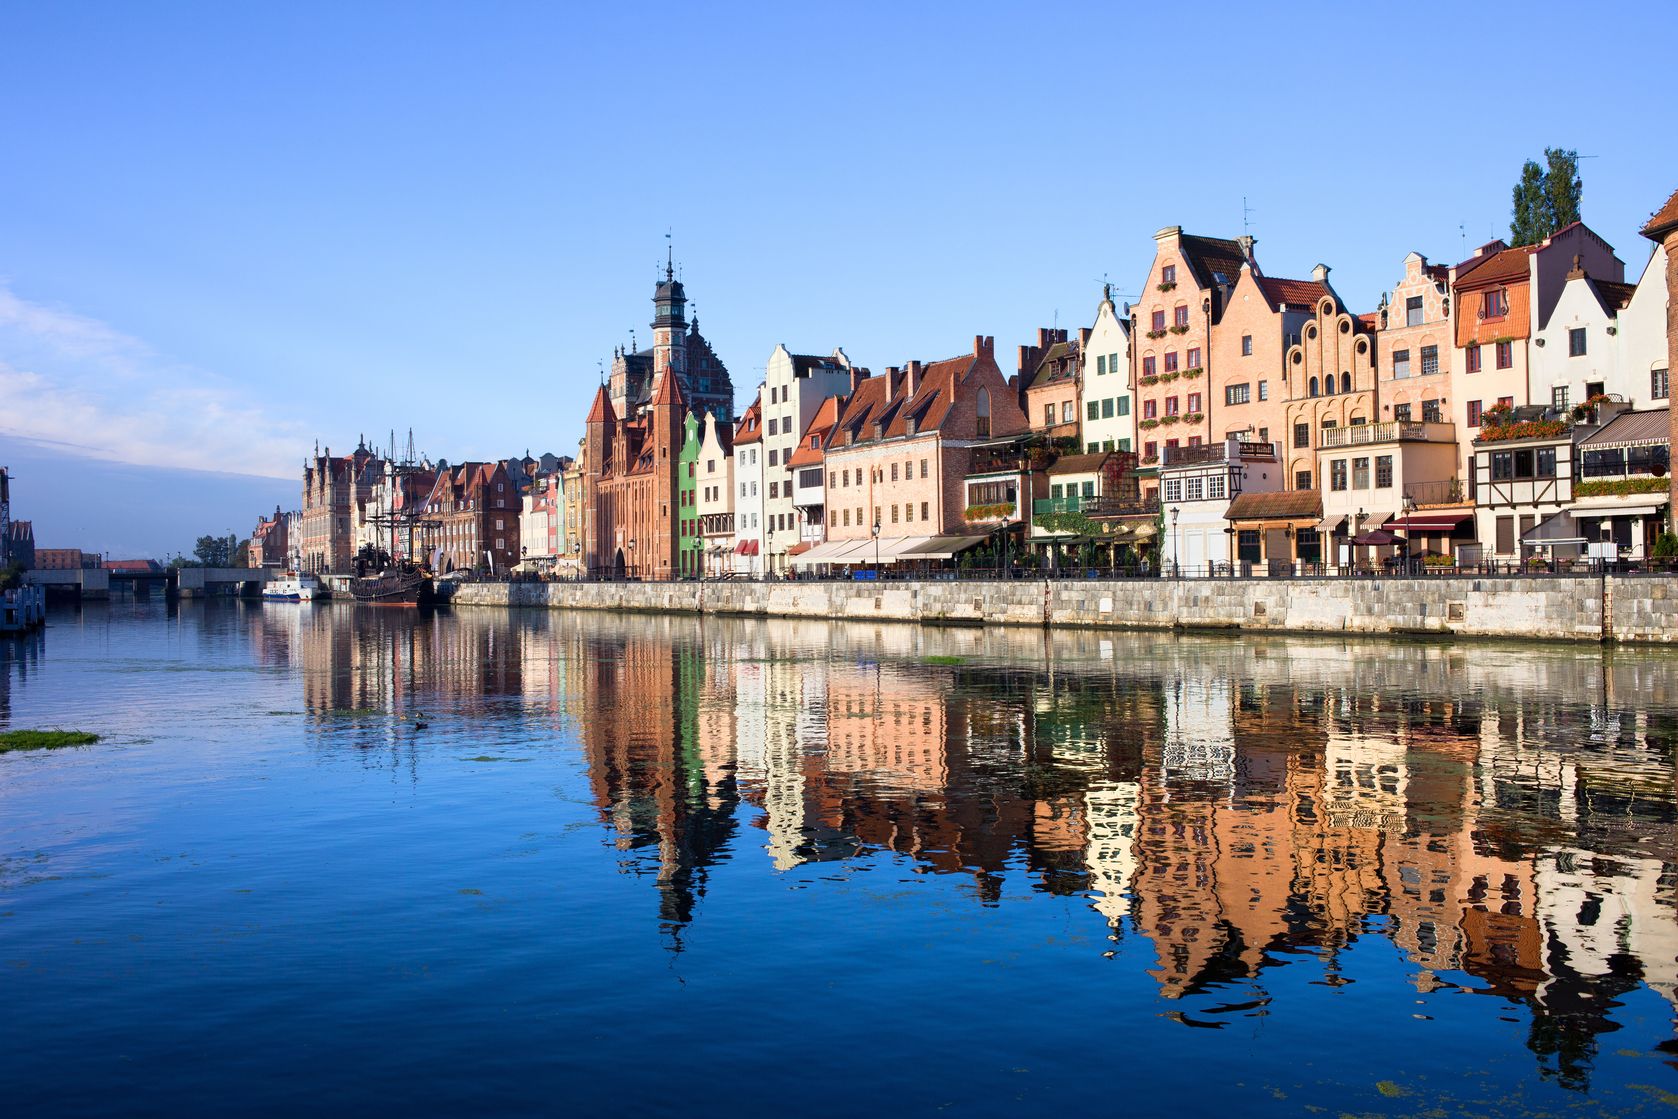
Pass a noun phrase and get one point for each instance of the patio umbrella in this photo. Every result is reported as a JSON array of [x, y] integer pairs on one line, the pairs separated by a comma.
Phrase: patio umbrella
[[1376, 538]]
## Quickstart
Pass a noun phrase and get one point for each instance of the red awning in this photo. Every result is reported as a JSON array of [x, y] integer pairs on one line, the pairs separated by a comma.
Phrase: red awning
[[1427, 522], [799, 549], [740, 548]]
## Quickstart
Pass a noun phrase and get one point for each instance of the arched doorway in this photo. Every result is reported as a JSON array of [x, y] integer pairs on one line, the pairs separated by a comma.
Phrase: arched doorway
[[618, 564]]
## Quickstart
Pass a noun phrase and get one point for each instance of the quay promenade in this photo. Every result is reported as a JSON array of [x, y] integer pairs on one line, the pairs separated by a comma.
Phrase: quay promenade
[[1639, 609]]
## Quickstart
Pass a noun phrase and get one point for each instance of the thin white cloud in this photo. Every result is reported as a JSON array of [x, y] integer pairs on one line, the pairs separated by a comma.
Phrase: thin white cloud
[[71, 380]]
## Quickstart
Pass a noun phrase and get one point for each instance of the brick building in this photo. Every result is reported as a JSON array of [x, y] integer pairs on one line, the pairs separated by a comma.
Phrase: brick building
[[1048, 373], [677, 345], [1662, 229], [334, 489], [1247, 386], [631, 481], [903, 446], [268, 547], [1188, 287], [476, 510]]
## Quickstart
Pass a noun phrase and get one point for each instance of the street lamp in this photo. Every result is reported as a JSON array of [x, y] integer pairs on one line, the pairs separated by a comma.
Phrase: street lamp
[[631, 558], [874, 531], [1176, 545]]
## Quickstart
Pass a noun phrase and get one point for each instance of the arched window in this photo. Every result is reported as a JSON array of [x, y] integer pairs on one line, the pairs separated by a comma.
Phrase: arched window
[[981, 415], [1345, 382], [1328, 385], [1313, 386]]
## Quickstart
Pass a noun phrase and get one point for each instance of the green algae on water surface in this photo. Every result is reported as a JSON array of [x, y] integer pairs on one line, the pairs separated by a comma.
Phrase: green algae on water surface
[[44, 739]]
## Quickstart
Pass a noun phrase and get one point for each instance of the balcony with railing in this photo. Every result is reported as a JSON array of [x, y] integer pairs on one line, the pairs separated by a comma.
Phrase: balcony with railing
[[1226, 450], [1392, 431], [1073, 503]]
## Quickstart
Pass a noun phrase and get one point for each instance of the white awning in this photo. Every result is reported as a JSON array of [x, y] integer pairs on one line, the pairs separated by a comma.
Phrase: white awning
[[826, 552], [894, 548], [1557, 528], [1639, 506], [944, 547]]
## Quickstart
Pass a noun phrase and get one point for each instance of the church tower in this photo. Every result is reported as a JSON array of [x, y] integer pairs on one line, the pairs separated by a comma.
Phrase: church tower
[[670, 336]]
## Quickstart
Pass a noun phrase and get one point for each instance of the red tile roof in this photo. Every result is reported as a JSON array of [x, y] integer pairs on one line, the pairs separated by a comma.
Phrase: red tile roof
[[821, 429], [1507, 266], [1210, 255], [602, 410], [1662, 219], [1295, 293], [1280, 505], [750, 427]]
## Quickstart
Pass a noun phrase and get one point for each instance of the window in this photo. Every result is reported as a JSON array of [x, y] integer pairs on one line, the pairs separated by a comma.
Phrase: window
[[1246, 345], [1430, 360], [1183, 315], [1150, 450], [981, 414], [773, 425], [774, 457], [1195, 441], [1194, 357], [1194, 403], [1659, 384], [774, 489], [1092, 410], [1048, 417], [1215, 487], [1495, 304], [1593, 388], [1576, 342], [1558, 398], [923, 510], [1150, 409], [1124, 445], [1505, 354], [894, 514], [1194, 489], [1413, 311], [1087, 489], [1383, 472], [1337, 475], [1092, 448], [1159, 320], [1401, 413], [1328, 385], [1173, 489], [1100, 364], [894, 472], [1346, 382], [1474, 413], [1401, 364], [1148, 366], [1360, 473], [1237, 394], [833, 479], [1067, 413], [1264, 390], [1473, 354], [1302, 480], [1505, 402], [1171, 406], [1314, 391], [1168, 274], [1107, 408], [1506, 535], [1124, 402], [1546, 467], [1171, 362], [1302, 437], [1430, 412], [923, 468], [1112, 363]]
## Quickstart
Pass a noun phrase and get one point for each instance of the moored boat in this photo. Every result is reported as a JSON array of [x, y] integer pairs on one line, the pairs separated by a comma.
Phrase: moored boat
[[404, 586], [294, 586]]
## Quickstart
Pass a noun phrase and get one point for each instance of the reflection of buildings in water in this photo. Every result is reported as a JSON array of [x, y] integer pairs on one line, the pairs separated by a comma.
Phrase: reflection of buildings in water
[[889, 725], [1363, 783], [1604, 913], [1111, 808], [649, 779], [1199, 730]]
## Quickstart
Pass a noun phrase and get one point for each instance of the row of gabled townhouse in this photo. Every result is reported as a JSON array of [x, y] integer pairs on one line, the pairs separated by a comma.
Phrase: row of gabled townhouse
[[1372, 426]]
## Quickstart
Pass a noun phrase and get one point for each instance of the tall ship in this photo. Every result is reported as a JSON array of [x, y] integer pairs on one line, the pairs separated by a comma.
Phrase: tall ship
[[389, 573]]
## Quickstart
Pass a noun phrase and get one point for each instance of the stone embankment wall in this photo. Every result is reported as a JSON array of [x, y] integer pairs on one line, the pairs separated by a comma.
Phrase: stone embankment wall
[[1562, 608]]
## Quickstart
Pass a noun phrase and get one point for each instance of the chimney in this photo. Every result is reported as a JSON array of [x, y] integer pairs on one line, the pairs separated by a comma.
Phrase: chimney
[[912, 379], [1246, 242], [1320, 273], [894, 381], [1045, 339], [1084, 333]]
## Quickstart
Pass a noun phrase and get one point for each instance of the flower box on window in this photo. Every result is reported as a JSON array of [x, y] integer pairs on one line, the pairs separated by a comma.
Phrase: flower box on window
[[1149, 380], [1191, 374], [1148, 425], [1150, 459], [1180, 329], [1156, 334], [1168, 377], [1194, 417], [1168, 419], [1169, 285]]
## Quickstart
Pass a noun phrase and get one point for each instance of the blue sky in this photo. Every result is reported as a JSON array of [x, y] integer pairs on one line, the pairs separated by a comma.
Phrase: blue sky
[[227, 231]]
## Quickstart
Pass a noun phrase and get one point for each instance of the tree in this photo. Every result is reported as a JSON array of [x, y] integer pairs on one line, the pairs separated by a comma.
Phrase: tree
[[1546, 198], [215, 551]]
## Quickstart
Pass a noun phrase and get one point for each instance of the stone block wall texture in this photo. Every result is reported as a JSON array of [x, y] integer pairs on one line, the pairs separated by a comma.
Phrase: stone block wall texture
[[1642, 609]]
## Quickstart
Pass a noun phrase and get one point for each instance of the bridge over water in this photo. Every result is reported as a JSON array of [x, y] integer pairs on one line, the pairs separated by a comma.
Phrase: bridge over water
[[183, 582]]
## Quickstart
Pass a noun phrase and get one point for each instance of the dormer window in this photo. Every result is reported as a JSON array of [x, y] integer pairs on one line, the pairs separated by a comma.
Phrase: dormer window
[[1496, 304]]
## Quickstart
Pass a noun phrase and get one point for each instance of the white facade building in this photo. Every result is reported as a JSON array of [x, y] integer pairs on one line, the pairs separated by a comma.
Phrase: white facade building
[[794, 387], [714, 485], [748, 491], [1196, 487], [1104, 402]]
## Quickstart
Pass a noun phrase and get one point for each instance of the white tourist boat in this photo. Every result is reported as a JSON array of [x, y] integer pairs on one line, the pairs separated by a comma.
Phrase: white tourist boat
[[294, 587]]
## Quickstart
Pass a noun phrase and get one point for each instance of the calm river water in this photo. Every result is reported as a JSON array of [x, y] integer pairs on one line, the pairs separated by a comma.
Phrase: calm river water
[[335, 860]]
